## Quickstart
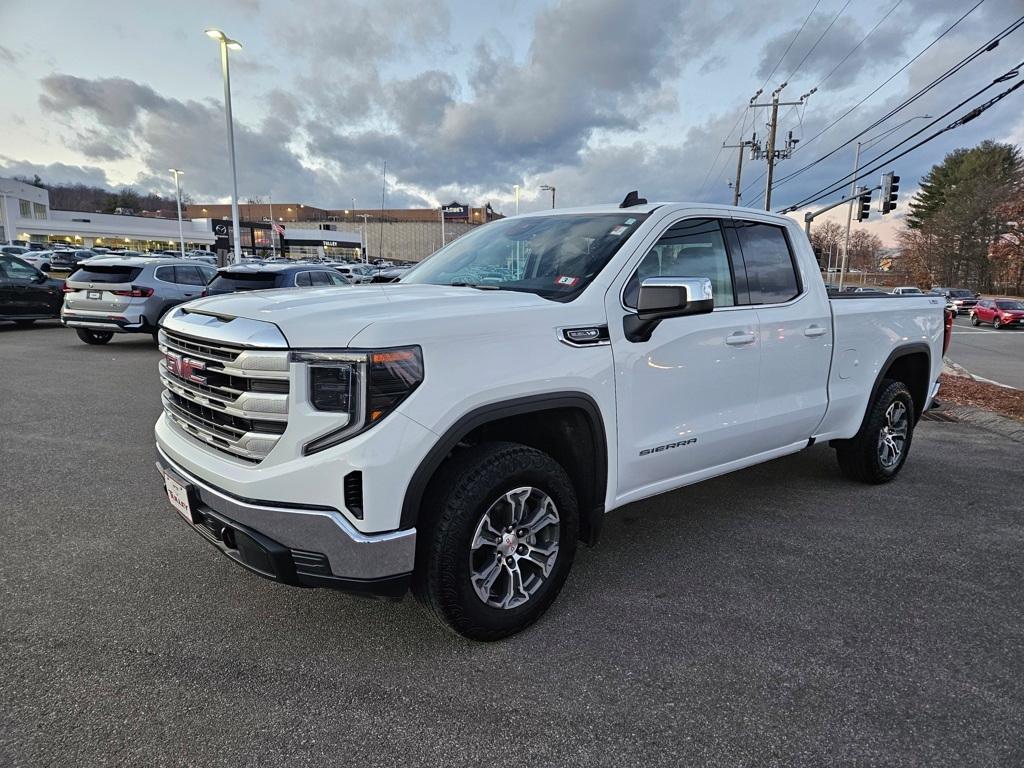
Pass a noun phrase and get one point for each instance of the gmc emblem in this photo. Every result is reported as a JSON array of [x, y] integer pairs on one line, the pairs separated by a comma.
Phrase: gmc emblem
[[185, 367]]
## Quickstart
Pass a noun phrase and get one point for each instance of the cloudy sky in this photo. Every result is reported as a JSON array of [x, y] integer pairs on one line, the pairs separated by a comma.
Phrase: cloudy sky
[[465, 99]]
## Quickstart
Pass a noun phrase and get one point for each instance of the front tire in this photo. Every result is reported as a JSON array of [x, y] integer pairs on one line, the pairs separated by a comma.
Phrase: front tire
[[997, 324], [90, 336], [879, 450], [498, 537], [974, 320]]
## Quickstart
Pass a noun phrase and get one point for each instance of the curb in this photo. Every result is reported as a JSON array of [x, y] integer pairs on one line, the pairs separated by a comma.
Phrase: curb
[[989, 420]]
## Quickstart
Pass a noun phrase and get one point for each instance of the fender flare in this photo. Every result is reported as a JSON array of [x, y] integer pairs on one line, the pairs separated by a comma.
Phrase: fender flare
[[590, 519], [901, 351]]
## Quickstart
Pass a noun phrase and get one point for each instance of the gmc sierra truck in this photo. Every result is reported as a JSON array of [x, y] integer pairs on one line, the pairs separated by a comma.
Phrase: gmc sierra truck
[[460, 431]]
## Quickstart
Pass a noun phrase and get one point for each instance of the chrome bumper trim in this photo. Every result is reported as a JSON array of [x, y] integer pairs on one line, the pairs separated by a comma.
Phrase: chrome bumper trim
[[351, 553]]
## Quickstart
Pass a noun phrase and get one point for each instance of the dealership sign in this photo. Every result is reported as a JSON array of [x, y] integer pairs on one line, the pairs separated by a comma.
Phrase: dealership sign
[[455, 210]]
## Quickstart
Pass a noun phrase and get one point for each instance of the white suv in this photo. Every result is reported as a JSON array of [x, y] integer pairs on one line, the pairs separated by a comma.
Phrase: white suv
[[460, 430]]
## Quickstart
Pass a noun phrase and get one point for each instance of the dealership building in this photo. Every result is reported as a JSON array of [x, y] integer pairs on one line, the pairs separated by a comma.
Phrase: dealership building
[[25, 215], [403, 234]]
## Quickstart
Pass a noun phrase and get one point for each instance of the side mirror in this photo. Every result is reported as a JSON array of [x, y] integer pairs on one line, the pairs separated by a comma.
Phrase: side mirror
[[664, 297], [40, 278], [661, 298]]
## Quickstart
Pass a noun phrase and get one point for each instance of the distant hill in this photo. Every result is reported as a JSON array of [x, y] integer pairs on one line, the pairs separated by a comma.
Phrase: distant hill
[[82, 197]]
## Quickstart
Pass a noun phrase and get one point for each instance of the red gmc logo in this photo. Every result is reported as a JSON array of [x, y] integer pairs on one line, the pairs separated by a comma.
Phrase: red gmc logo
[[185, 367]]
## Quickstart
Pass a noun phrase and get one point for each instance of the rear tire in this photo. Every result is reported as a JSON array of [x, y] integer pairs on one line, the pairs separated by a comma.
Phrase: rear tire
[[90, 336], [496, 539], [877, 453]]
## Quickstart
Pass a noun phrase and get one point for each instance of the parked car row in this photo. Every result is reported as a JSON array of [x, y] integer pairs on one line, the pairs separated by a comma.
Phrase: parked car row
[[114, 293]]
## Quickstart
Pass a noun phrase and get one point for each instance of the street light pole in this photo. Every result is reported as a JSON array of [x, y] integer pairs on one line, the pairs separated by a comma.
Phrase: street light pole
[[549, 188], [225, 43], [177, 196], [516, 188]]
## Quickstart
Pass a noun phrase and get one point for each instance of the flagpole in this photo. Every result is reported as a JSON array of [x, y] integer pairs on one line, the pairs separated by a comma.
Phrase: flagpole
[[273, 250]]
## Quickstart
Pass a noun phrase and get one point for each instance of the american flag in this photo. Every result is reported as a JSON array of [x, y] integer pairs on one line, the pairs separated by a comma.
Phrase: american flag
[[277, 228]]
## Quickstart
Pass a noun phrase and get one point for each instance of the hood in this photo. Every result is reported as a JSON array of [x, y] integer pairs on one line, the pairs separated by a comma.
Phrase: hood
[[332, 317]]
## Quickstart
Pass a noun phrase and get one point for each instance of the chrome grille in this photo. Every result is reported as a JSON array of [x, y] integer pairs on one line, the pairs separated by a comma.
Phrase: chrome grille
[[231, 398]]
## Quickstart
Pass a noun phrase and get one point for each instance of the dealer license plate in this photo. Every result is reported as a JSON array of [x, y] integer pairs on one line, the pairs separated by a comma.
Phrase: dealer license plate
[[178, 496]]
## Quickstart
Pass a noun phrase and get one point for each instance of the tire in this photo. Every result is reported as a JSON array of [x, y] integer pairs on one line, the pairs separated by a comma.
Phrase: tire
[[863, 457], [974, 320], [477, 487], [94, 337], [23, 323], [997, 323]]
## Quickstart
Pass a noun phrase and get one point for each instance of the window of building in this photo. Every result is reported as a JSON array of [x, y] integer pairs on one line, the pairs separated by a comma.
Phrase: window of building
[[39, 210], [771, 273], [690, 248], [25, 209]]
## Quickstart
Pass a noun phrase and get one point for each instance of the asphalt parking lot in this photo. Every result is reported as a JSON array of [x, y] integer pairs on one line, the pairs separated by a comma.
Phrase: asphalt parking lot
[[778, 616], [994, 355]]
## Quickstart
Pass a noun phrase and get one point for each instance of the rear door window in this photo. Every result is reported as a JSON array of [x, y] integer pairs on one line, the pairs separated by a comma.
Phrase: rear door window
[[188, 275], [303, 279], [771, 270], [243, 281], [321, 278], [106, 274]]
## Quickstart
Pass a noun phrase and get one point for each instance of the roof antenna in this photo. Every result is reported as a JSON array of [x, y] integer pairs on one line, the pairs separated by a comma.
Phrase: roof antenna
[[633, 198]]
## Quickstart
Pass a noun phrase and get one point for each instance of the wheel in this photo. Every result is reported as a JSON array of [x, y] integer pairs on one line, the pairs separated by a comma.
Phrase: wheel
[[94, 337], [878, 451], [974, 320], [23, 323], [498, 536], [997, 323]]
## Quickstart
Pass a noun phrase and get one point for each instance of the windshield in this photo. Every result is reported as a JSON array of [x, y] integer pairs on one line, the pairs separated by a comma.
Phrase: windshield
[[1016, 306], [961, 292], [555, 257]]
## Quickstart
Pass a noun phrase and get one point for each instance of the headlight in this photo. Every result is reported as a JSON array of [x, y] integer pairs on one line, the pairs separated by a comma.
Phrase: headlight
[[361, 387]]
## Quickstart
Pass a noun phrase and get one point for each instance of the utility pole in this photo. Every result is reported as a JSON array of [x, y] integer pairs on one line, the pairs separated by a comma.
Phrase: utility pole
[[849, 215], [364, 217], [177, 196], [273, 248], [739, 167], [772, 154], [442, 226]]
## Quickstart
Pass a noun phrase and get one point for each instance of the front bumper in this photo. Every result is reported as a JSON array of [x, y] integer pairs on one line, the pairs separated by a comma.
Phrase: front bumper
[[300, 546]]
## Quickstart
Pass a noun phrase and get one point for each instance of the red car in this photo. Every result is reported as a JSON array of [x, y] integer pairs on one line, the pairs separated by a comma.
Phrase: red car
[[1002, 313]]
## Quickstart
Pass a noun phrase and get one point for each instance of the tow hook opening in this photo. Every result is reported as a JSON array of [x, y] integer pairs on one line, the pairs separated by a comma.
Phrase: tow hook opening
[[228, 537]]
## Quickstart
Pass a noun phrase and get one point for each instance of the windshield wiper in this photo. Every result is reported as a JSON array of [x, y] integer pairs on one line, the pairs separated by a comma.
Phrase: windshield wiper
[[478, 286]]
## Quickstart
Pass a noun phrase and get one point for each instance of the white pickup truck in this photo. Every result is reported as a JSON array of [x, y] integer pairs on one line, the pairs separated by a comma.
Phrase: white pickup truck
[[458, 432]]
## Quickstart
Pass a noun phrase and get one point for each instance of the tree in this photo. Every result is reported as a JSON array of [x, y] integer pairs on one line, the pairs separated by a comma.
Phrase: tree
[[959, 215], [1008, 250], [827, 238], [865, 250]]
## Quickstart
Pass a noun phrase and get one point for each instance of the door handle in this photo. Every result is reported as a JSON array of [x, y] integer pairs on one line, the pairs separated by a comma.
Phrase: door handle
[[815, 330], [739, 338]]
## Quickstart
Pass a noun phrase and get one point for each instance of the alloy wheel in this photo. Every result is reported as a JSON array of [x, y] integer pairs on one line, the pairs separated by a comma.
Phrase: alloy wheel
[[893, 435], [514, 547]]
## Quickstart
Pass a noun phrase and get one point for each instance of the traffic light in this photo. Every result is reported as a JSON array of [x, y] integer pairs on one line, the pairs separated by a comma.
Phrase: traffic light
[[890, 191], [864, 206]]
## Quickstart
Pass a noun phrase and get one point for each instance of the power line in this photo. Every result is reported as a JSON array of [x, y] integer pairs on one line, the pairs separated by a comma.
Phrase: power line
[[820, 38], [788, 47], [858, 45], [984, 48], [742, 116], [964, 119], [918, 55]]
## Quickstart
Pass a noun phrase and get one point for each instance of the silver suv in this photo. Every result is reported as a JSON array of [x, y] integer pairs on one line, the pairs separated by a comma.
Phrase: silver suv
[[129, 295]]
